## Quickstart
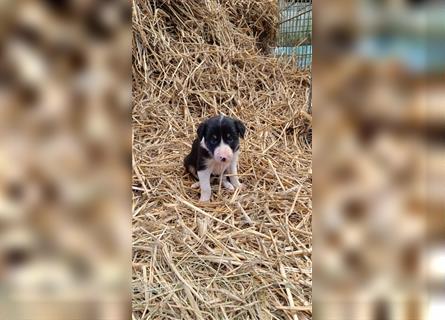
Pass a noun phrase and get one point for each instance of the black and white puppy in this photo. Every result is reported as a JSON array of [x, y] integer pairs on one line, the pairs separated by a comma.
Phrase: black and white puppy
[[215, 152]]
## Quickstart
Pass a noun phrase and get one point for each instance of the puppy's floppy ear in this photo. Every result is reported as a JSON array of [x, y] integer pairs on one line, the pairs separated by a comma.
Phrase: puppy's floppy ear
[[201, 130], [241, 128]]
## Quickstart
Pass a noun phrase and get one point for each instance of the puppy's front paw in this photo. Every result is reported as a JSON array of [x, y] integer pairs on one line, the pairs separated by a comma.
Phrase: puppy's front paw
[[205, 196], [228, 185], [239, 185]]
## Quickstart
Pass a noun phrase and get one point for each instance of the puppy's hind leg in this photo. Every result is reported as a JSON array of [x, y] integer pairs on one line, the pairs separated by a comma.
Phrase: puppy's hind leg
[[190, 169], [195, 185]]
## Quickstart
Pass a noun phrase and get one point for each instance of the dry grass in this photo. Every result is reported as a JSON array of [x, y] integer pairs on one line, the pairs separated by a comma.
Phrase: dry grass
[[245, 255]]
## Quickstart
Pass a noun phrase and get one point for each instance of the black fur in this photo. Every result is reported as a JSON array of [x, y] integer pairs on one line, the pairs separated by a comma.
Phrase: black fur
[[213, 130], [241, 128], [195, 160]]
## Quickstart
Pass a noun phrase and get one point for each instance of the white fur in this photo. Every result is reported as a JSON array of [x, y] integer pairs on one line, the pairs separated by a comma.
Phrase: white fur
[[228, 185], [223, 151], [233, 170], [203, 144], [204, 184], [218, 168], [213, 166], [195, 185]]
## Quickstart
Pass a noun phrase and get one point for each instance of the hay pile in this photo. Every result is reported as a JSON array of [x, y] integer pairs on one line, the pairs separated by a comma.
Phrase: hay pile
[[245, 255]]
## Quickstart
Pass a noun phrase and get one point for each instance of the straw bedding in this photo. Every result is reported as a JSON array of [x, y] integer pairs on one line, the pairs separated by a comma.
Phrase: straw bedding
[[247, 254]]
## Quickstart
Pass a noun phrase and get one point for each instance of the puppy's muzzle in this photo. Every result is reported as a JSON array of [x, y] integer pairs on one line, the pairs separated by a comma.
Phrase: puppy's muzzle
[[223, 154]]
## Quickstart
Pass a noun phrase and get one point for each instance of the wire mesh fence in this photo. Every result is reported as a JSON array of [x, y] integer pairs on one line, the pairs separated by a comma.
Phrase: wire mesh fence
[[295, 31]]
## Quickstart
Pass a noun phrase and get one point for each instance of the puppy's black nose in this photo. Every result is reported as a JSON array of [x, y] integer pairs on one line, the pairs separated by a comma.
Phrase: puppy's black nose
[[223, 159]]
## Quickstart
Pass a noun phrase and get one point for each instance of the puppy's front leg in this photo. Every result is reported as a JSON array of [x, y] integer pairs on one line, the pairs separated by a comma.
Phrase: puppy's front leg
[[233, 170], [204, 184]]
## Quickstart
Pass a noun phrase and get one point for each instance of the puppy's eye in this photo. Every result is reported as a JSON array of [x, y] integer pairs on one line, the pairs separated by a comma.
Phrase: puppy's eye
[[214, 138], [229, 137]]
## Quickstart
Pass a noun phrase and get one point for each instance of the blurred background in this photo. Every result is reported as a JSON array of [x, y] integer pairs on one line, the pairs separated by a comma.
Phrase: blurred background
[[379, 159], [65, 154], [65, 150]]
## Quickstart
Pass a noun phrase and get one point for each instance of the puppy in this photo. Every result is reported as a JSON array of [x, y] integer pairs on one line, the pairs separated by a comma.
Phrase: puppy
[[214, 152]]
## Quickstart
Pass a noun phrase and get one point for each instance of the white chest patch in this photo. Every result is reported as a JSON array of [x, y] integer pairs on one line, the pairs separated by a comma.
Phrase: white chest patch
[[216, 167]]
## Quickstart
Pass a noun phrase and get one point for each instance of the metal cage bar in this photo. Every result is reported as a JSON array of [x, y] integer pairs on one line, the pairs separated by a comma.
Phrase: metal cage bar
[[295, 31]]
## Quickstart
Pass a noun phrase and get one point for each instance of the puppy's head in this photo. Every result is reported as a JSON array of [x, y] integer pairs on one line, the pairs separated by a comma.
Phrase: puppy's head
[[220, 137]]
